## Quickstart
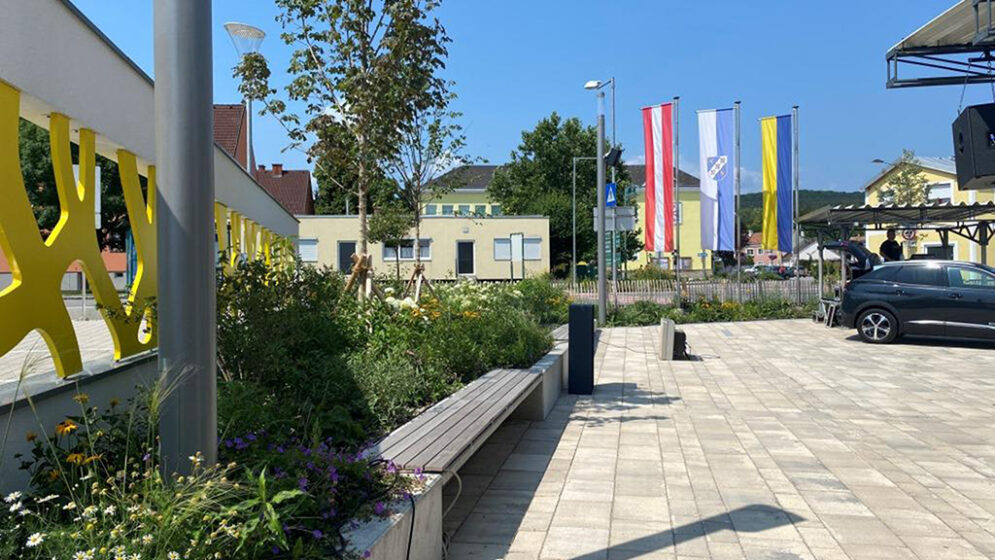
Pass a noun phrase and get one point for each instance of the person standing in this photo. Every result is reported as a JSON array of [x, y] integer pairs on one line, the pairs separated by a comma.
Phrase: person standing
[[891, 250]]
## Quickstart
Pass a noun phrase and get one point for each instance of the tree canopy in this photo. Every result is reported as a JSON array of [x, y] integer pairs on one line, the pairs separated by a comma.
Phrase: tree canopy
[[907, 184], [539, 181]]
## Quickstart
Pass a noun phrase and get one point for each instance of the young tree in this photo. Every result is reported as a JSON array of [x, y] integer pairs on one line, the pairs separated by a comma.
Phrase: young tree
[[908, 184], [390, 225], [433, 145], [362, 67]]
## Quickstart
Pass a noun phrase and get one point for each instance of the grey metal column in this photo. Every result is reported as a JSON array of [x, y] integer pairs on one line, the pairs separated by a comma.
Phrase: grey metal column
[[602, 299], [739, 224], [185, 215], [573, 252], [983, 235], [797, 228]]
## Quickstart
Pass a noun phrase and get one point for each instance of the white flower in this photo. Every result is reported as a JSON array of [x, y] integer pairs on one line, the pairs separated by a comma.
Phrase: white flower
[[173, 556], [89, 512], [196, 460], [110, 510], [146, 539], [16, 506], [83, 555], [70, 506], [133, 509], [12, 497], [35, 539], [48, 498], [136, 556]]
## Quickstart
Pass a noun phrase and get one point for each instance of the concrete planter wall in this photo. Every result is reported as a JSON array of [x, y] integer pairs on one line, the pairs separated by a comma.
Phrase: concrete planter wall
[[53, 401], [387, 539]]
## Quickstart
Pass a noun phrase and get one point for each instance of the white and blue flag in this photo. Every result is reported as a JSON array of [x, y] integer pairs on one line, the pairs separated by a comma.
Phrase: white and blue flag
[[716, 129]]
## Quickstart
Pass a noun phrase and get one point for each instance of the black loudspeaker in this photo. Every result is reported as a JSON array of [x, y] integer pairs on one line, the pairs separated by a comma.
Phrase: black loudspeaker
[[580, 352], [974, 147]]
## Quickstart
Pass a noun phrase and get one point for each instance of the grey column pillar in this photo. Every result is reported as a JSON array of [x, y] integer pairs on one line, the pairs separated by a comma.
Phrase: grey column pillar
[[185, 215], [602, 292]]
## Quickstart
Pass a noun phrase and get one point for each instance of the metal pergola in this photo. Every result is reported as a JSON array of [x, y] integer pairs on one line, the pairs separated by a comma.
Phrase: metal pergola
[[974, 222], [954, 48]]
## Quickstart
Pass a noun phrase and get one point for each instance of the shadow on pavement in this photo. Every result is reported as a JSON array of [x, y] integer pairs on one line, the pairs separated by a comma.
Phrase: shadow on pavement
[[746, 519]]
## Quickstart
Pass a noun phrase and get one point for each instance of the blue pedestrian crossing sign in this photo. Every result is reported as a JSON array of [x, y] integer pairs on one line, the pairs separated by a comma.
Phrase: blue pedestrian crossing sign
[[610, 199]]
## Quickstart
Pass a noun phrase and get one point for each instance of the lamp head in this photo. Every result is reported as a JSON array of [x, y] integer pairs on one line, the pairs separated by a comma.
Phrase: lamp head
[[593, 84]]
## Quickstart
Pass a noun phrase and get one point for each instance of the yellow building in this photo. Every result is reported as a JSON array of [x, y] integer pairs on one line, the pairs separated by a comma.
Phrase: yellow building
[[942, 176], [472, 199], [688, 223], [450, 246]]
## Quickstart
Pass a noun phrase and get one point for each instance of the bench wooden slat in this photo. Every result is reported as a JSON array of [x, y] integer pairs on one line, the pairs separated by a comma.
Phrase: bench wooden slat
[[475, 425], [411, 432], [435, 431]]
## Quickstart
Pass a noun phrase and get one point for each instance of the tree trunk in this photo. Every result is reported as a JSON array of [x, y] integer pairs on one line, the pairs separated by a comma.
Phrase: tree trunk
[[398, 261], [363, 188], [417, 236]]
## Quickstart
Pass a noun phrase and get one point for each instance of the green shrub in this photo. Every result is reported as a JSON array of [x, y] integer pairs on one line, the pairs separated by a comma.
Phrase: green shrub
[[651, 272], [643, 313], [547, 303]]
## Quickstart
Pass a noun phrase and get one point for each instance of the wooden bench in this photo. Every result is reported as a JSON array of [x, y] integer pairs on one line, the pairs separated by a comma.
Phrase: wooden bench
[[442, 438]]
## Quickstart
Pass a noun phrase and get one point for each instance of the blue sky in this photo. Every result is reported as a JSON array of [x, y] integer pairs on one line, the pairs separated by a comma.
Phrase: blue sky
[[516, 61]]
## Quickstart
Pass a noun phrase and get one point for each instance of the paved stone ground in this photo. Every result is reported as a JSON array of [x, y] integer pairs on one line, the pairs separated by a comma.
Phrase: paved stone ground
[[95, 343], [786, 440]]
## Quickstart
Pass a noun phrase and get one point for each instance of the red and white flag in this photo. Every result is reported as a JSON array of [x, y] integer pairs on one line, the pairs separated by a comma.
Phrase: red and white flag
[[658, 135]]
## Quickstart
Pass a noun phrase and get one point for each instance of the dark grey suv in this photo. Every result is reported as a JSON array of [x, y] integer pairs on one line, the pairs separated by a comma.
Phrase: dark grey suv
[[932, 298]]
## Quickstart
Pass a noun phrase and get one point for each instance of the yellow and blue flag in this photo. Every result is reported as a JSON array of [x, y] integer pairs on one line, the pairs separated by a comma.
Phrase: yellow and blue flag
[[778, 214]]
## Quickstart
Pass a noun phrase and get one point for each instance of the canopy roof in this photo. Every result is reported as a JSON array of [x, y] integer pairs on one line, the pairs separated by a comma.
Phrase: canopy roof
[[953, 48], [928, 216]]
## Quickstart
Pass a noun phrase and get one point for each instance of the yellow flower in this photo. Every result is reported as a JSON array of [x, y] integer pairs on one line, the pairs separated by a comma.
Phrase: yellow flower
[[66, 427], [31, 436], [81, 398], [92, 458], [52, 475], [75, 458]]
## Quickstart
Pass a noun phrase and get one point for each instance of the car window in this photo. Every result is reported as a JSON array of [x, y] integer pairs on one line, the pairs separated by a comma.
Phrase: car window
[[921, 275], [883, 273], [963, 277]]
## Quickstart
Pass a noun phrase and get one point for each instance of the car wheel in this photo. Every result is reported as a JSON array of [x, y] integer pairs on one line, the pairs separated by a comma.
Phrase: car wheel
[[877, 326]]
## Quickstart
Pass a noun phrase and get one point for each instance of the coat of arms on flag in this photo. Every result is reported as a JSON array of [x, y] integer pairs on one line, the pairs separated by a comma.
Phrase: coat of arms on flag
[[717, 167]]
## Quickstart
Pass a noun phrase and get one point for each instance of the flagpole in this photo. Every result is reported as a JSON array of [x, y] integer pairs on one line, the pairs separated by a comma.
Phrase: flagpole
[[677, 196], [739, 235], [797, 232]]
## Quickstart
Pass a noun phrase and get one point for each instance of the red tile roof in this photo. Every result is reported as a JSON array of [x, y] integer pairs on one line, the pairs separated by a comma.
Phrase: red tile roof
[[114, 261], [230, 129], [291, 187]]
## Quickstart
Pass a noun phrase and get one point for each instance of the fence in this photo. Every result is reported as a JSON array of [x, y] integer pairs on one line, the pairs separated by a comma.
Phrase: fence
[[665, 291]]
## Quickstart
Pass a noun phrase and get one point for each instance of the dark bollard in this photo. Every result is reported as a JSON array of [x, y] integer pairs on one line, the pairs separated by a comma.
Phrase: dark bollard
[[580, 380]]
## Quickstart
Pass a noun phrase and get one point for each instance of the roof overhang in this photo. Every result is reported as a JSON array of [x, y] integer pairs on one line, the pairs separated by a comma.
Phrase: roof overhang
[[954, 48], [928, 216]]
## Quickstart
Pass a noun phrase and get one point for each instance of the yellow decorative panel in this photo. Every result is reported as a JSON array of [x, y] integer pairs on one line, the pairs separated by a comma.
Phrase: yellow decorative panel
[[33, 301]]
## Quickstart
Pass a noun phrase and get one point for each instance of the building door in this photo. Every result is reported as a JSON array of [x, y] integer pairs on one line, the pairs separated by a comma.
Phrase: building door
[[464, 258], [346, 250]]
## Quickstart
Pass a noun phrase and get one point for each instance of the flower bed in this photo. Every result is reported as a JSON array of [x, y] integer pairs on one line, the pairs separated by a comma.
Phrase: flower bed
[[644, 313], [307, 376]]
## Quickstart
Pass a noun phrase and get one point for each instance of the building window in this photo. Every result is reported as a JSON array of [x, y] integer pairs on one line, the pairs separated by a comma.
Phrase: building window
[[430, 209], [464, 209], [408, 250], [346, 250], [447, 209], [749, 251], [941, 193], [502, 249], [308, 250], [679, 213], [480, 210], [495, 209], [533, 248]]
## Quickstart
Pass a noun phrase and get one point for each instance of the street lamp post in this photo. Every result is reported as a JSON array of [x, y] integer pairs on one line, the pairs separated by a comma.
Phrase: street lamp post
[[597, 85], [185, 224], [247, 40], [573, 263]]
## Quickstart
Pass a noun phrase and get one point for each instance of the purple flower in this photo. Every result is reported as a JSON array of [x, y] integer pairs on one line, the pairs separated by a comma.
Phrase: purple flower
[[366, 554], [317, 534], [379, 508], [302, 483], [251, 436], [391, 468]]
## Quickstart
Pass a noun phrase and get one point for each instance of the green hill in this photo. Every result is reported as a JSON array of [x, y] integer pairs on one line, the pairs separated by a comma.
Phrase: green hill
[[808, 200]]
